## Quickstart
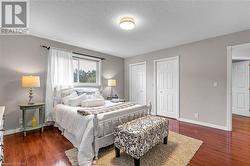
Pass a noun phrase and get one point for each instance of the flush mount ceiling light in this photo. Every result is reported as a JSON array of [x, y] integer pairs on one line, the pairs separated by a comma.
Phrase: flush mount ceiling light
[[127, 23]]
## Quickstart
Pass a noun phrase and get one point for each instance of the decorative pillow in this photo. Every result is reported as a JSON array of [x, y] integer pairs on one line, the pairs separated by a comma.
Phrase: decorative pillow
[[92, 102], [87, 93], [76, 101], [67, 92], [80, 93], [96, 96], [65, 100]]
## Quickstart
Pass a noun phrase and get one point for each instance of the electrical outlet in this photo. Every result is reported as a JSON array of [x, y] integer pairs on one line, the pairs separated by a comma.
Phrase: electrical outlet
[[196, 115]]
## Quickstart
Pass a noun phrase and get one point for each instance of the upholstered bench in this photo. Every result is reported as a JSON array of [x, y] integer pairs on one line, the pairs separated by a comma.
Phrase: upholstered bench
[[140, 135]]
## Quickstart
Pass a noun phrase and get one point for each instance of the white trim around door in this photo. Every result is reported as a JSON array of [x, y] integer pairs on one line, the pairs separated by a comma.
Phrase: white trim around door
[[229, 88], [229, 85], [130, 80], [177, 116]]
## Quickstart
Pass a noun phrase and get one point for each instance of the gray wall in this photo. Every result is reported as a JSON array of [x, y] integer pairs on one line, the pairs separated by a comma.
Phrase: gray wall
[[22, 55], [201, 63]]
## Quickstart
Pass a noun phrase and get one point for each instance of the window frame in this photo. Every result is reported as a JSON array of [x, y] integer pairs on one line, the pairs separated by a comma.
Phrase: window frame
[[98, 72]]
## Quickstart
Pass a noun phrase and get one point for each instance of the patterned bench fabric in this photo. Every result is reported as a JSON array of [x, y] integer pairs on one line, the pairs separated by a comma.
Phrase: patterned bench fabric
[[140, 135]]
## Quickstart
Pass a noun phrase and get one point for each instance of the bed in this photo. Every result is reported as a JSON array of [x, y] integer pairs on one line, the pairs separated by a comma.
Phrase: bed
[[92, 132]]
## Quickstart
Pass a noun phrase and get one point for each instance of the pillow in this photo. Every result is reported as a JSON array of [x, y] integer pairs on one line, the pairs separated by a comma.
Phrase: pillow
[[79, 92], [92, 102], [86, 89], [65, 100], [76, 101], [67, 92], [96, 96]]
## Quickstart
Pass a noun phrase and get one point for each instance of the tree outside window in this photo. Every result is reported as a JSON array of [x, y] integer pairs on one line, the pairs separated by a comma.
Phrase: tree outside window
[[86, 71]]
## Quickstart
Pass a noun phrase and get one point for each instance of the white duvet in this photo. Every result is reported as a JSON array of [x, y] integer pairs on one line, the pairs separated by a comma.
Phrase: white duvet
[[80, 128]]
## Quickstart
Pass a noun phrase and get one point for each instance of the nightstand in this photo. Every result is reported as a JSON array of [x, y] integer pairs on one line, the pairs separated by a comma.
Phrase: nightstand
[[36, 106]]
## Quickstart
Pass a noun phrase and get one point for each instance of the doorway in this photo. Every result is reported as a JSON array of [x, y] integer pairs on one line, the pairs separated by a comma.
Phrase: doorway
[[240, 87], [137, 83], [238, 82], [166, 73]]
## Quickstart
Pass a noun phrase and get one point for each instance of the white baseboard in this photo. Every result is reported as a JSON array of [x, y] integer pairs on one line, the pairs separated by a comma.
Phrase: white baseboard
[[18, 130], [246, 114], [204, 124], [12, 131]]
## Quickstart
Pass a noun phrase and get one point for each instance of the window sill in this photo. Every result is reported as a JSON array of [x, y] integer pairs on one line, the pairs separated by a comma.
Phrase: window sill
[[86, 85]]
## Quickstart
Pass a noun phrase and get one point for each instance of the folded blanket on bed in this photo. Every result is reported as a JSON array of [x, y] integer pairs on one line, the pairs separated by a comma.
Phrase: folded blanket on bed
[[95, 102], [99, 110]]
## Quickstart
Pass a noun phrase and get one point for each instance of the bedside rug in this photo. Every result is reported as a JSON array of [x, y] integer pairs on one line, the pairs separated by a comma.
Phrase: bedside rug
[[178, 152]]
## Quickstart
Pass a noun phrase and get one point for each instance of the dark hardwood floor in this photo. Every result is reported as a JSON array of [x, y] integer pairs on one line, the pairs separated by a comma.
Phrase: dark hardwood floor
[[36, 149], [219, 147]]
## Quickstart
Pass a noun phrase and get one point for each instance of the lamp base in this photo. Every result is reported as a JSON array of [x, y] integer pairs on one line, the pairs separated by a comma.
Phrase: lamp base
[[30, 96]]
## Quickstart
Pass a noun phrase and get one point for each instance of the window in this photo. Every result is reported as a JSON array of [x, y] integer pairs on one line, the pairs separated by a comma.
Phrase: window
[[86, 72]]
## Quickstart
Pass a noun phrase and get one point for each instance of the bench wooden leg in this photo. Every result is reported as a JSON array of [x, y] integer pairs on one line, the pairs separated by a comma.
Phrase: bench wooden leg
[[117, 152], [137, 162], [165, 140]]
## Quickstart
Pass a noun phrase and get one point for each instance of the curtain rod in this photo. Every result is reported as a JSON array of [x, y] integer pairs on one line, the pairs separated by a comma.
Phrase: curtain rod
[[73, 52]]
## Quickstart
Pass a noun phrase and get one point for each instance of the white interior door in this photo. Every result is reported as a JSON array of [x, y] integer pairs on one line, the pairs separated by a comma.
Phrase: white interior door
[[138, 83], [240, 88], [167, 87]]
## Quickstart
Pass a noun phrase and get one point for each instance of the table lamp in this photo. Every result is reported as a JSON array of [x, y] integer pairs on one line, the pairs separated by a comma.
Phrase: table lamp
[[30, 82], [111, 83]]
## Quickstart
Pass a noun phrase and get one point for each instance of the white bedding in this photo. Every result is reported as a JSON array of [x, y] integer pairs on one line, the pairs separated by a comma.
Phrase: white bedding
[[79, 129]]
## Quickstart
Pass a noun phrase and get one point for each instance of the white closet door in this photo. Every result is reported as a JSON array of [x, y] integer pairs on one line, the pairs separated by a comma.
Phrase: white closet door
[[167, 84], [240, 88], [138, 83]]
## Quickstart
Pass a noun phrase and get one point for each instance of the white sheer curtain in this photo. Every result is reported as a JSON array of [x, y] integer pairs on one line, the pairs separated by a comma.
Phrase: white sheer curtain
[[59, 76]]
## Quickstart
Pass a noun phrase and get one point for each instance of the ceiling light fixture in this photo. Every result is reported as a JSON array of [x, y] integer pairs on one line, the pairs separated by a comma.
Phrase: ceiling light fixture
[[127, 23]]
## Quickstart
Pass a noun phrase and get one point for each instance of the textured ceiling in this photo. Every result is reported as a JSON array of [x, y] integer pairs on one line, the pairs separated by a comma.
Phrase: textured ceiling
[[161, 24]]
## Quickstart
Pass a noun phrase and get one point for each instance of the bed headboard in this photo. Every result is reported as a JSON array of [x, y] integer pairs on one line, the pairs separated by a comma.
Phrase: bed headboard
[[58, 95]]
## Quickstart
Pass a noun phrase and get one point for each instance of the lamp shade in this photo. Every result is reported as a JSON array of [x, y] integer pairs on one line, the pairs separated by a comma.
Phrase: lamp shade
[[30, 81], [111, 82]]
